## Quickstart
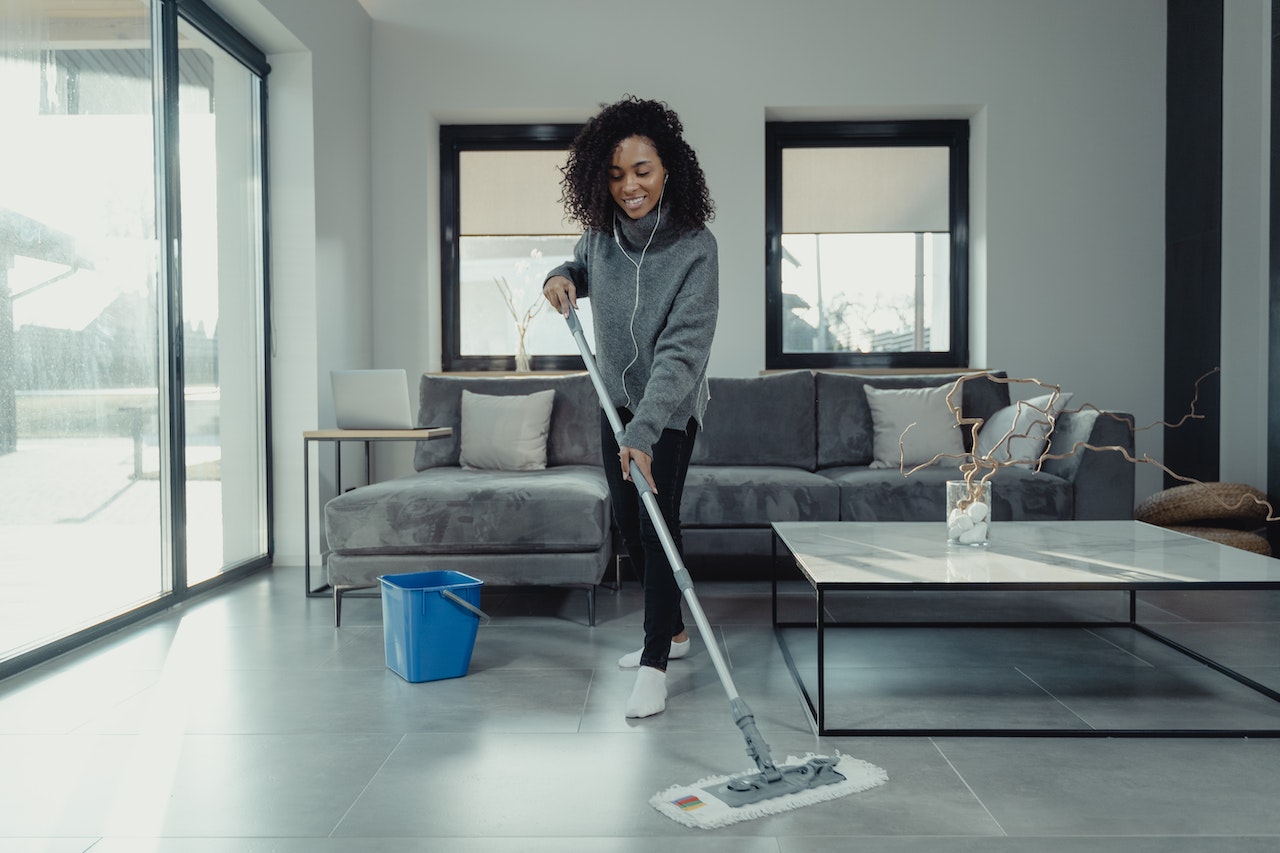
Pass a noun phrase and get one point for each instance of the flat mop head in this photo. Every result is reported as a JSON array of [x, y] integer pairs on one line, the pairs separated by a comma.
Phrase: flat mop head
[[722, 800]]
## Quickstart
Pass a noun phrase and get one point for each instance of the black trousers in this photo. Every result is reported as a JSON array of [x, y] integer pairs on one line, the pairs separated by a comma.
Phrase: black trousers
[[663, 616]]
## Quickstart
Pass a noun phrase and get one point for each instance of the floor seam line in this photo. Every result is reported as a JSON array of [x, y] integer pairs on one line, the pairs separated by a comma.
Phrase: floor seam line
[[968, 787], [1051, 695], [365, 789]]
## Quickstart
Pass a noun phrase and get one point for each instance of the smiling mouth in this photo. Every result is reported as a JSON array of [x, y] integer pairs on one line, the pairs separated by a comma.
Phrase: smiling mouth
[[633, 202]]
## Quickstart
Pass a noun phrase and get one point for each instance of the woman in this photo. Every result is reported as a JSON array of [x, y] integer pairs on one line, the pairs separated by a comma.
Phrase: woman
[[649, 266]]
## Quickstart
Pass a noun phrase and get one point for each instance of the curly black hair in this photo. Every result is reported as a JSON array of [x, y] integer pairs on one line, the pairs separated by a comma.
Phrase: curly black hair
[[586, 173]]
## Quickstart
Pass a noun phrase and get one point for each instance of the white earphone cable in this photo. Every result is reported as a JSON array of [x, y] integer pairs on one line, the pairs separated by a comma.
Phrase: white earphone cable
[[635, 307]]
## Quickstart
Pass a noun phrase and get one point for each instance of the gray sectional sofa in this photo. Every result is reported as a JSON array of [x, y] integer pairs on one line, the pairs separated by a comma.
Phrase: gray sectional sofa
[[794, 446]]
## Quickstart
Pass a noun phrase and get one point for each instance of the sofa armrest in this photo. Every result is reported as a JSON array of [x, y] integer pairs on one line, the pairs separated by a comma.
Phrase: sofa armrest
[[1103, 480]]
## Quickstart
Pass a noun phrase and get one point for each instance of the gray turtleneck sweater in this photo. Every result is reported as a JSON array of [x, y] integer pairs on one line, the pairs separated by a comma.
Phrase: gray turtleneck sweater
[[652, 333]]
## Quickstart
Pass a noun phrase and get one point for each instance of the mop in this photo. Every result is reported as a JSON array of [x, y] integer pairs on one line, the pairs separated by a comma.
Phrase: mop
[[718, 801]]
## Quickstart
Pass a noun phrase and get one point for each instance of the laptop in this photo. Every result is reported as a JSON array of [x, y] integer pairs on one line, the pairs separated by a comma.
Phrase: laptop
[[371, 399]]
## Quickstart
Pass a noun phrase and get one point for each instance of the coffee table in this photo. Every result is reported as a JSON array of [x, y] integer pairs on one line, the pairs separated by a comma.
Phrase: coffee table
[[841, 558]]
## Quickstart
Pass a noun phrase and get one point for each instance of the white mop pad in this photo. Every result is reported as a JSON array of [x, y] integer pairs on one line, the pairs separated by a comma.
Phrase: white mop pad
[[695, 805]]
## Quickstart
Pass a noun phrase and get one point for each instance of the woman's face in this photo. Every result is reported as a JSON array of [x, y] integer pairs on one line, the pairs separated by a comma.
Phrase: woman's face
[[636, 176]]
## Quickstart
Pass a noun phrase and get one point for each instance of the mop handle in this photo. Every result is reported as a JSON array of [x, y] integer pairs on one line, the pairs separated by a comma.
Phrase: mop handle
[[756, 746], [615, 421], [651, 506]]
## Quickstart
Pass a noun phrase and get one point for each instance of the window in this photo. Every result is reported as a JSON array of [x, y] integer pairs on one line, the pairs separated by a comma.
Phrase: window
[[867, 244], [503, 229], [133, 381]]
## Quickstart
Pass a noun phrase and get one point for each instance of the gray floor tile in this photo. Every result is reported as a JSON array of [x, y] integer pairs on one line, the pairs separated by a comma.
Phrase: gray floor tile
[[1129, 787], [502, 644], [701, 844], [1037, 844], [1217, 605], [1233, 644], [244, 721], [942, 698], [503, 786], [51, 702], [924, 795], [1183, 697], [1267, 676], [959, 647], [56, 845], [1024, 679], [961, 606], [1146, 649], [364, 700], [179, 785]]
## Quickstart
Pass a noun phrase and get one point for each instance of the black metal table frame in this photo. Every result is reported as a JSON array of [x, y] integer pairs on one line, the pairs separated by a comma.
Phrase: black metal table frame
[[816, 706]]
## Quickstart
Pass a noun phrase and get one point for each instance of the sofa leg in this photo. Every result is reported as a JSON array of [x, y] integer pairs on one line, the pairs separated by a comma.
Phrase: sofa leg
[[591, 606], [337, 607], [615, 585]]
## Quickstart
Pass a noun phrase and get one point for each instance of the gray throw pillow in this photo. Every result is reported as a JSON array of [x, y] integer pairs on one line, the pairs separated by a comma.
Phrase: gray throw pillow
[[506, 433], [1019, 434], [933, 428]]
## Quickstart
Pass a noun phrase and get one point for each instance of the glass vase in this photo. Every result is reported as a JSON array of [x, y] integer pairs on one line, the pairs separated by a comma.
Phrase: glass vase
[[968, 513], [522, 355]]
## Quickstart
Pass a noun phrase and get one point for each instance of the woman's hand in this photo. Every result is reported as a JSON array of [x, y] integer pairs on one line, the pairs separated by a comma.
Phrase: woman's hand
[[561, 293], [644, 460]]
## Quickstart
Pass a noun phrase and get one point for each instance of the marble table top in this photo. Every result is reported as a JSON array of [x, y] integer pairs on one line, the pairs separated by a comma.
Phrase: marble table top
[[1021, 555]]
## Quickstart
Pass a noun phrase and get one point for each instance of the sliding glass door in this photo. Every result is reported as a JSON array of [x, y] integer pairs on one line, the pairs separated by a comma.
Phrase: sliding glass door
[[222, 303], [132, 377]]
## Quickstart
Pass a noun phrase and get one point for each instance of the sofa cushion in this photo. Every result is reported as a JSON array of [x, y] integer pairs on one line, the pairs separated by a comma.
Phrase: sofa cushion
[[845, 428], [455, 511], [574, 434], [743, 495], [505, 433], [912, 426], [762, 420], [1018, 434], [1017, 494]]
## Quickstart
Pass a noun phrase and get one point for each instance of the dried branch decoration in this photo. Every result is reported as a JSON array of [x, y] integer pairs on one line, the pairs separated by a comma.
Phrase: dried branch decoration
[[523, 319], [977, 470]]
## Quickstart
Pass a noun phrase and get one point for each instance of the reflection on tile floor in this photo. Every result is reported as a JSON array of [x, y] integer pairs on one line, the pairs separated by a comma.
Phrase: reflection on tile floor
[[245, 721]]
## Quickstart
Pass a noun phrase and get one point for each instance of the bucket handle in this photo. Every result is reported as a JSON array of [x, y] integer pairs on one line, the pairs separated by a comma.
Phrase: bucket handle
[[456, 599]]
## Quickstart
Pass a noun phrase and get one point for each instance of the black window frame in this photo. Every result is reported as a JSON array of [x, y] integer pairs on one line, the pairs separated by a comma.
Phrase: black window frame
[[950, 133], [454, 139]]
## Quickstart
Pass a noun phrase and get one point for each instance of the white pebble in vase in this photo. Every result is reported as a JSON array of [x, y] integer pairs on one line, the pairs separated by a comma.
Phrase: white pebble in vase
[[968, 514]]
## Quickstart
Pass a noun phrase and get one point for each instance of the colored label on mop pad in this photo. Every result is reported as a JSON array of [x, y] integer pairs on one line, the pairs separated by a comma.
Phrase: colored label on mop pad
[[688, 804]]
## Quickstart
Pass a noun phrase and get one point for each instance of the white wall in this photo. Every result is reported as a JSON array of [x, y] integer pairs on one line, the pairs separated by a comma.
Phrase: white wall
[[321, 234], [1246, 175], [1067, 108]]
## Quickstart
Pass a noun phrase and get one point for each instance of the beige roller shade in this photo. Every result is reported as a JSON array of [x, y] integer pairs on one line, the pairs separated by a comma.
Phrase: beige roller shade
[[865, 190], [512, 193]]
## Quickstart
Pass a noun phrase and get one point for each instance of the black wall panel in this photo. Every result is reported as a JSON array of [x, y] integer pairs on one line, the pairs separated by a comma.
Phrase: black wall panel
[[1193, 236]]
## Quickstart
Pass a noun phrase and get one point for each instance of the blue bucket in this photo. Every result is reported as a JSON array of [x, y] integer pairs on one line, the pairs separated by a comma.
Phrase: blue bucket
[[429, 623]]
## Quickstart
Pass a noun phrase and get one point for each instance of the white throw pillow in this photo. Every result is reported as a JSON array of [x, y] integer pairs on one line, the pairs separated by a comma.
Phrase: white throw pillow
[[934, 430], [505, 433], [1026, 424]]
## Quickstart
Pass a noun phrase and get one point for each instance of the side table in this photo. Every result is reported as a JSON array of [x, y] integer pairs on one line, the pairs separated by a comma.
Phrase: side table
[[336, 437]]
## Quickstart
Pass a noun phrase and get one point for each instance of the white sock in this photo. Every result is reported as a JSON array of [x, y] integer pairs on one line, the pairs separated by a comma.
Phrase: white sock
[[649, 696], [631, 660]]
